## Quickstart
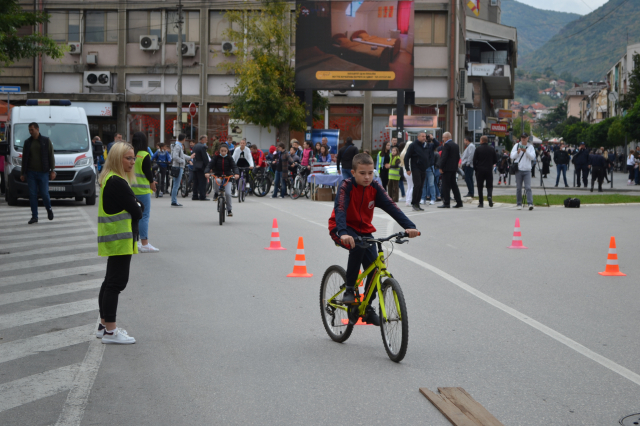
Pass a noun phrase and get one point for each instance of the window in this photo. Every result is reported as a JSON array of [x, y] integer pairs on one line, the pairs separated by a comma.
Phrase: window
[[142, 23], [352, 8], [101, 27], [64, 25], [190, 27], [218, 24], [431, 28]]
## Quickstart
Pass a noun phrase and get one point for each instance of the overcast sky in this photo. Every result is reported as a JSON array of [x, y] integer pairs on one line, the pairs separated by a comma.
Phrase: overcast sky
[[576, 6]]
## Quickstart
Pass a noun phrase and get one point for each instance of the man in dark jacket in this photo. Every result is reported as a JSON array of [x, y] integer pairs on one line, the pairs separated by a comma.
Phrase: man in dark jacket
[[597, 164], [200, 161], [345, 158], [38, 166], [484, 158], [581, 161], [416, 160], [561, 158], [448, 169]]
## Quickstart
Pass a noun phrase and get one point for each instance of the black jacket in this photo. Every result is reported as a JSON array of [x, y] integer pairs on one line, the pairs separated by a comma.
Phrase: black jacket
[[417, 156], [46, 154], [581, 158], [597, 161], [201, 159], [345, 156], [450, 156], [222, 166], [484, 158], [561, 157]]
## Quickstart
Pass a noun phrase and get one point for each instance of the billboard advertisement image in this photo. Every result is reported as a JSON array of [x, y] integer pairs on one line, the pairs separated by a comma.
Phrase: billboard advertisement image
[[354, 45]]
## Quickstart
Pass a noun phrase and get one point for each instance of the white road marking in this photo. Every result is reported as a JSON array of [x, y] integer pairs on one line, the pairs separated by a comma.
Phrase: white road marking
[[572, 344], [46, 342], [32, 388], [57, 273], [23, 236], [390, 225], [38, 293], [15, 231], [20, 223], [46, 314], [47, 250], [78, 397], [50, 242], [26, 214], [92, 226], [36, 263]]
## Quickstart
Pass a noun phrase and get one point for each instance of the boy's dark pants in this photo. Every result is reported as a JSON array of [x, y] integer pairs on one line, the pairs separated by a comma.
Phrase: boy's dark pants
[[357, 256]]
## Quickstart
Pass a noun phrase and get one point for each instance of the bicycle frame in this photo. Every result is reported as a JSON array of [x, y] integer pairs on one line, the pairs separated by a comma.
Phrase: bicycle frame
[[374, 286]]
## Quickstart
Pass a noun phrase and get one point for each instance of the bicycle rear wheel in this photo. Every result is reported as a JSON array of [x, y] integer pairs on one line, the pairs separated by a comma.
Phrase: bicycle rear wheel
[[262, 186], [335, 321], [395, 329], [221, 207], [294, 189]]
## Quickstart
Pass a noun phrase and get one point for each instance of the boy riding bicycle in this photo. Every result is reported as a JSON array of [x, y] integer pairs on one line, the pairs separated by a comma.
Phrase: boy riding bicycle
[[351, 217], [219, 166]]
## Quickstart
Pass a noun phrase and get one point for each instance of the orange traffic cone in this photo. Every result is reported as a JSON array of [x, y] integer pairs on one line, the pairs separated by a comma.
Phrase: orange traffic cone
[[275, 238], [300, 264], [516, 243], [612, 268]]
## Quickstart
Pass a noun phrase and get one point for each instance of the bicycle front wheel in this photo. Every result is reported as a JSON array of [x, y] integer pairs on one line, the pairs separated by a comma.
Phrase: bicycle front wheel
[[221, 207], [294, 189], [262, 186], [395, 328], [335, 320]]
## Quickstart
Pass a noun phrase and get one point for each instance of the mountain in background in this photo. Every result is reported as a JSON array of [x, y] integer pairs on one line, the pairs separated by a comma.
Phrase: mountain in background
[[589, 46], [535, 26]]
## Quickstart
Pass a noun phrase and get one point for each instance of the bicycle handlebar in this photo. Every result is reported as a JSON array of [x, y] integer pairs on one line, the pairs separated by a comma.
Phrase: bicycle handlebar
[[367, 241]]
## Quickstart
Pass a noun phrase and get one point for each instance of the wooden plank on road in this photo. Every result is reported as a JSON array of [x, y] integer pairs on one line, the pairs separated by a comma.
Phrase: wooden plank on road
[[448, 409], [469, 406]]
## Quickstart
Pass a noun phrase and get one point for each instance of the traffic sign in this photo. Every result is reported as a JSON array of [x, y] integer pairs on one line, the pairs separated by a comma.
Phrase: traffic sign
[[193, 109], [9, 89]]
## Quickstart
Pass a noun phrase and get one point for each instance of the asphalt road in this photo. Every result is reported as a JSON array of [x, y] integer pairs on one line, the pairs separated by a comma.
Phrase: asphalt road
[[223, 337]]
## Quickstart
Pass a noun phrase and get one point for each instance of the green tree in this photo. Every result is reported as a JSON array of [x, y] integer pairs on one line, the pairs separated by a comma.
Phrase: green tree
[[573, 133], [616, 135], [14, 47], [517, 128], [264, 93], [559, 129], [628, 101], [597, 135], [631, 122], [555, 117]]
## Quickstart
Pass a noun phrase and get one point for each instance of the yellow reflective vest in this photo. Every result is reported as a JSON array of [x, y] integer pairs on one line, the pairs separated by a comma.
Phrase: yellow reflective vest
[[142, 185], [115, 234], [394, 174]]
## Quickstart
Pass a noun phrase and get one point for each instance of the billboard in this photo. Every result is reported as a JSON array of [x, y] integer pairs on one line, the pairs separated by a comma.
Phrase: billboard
[[354, 45]]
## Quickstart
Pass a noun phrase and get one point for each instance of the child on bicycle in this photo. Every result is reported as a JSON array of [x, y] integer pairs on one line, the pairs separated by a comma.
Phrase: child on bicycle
[[219, 166], [351, 217]]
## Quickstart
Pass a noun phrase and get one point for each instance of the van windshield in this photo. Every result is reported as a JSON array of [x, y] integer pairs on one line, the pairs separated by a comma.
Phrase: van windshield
[[66, 138]]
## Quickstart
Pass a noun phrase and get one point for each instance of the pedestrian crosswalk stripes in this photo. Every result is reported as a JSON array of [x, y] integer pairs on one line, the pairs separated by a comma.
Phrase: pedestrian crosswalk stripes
[[23, 391], [38, 293], [53, 226], [47, 250], [46, 342], [58, 273], [36, 263], [26, 214], [22, 236], [49, 242], [21, 224], [48, 313]]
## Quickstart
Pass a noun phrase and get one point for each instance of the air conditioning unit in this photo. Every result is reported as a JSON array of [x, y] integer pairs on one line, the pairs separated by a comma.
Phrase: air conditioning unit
[[339, 92], [188, 49], [97, 79], [75, 48], [462, 84], [229, 47], [495, 2], [149, 42], [462, 110]]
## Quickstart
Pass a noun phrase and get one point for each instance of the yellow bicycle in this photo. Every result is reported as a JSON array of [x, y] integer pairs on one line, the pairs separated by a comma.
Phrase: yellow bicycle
[[339, 319]]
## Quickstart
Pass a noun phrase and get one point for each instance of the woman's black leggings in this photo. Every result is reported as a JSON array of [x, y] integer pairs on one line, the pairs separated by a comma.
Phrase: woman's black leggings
[[114, 282], [632, 172]]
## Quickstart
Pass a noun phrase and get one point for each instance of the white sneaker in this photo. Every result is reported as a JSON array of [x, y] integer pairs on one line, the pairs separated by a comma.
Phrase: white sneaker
[[401, 199], [530, 206], [422, 201], [118, 336], [148, 249], [100, 331], [519, 207], [432, 202], [139, 244]]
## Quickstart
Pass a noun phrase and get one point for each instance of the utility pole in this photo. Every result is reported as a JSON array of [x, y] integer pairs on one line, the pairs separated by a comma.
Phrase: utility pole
[[179, 109]]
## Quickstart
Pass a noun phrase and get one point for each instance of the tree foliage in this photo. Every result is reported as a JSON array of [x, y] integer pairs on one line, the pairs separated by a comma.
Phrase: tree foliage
[[597, 135], [616, 135], [573, 133], [264, 93], [554, 118], [517, 128], [14, 47], [631, 122]]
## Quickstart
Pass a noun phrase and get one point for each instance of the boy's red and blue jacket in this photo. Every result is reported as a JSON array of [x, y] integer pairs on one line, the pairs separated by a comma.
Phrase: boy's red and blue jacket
[[354, 208]]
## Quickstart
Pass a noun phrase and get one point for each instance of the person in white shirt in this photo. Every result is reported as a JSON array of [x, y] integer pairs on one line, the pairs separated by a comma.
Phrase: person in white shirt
[[523, 154], [242, 155], [467, 165]]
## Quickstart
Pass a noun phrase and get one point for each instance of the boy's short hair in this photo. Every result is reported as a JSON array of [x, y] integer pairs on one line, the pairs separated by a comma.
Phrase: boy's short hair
[[361, 158], [280, 145], [161, 145], [253, 147]]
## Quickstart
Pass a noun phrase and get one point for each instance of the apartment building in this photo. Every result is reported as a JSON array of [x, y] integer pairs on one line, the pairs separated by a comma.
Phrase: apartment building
[[578, 98], [618, 78], [122, 68]]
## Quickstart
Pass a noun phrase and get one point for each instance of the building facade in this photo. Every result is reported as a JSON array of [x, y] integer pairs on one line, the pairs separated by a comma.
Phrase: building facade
[[618, 78]]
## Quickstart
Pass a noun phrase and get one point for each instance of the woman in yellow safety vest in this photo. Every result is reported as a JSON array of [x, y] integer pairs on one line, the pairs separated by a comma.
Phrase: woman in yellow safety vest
[[143, 186], [118, 216], [394, 174]]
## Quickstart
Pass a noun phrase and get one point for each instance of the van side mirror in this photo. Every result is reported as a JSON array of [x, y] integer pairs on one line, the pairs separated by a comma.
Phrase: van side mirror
[[4, 148]]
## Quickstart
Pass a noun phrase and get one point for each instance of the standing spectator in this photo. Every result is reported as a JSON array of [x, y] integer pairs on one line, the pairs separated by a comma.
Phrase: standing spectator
[[382, 164], [416, 160], [394, 142], [323, 156], [307, 154], [162, 157], [395, 165], [581, 161], [597, 164], [546, 162], [608, 163], [242, 156], [449, 160], [631, 166], [118, 216], [296, 145], [429, 187], [316, 149], [523, 154], [561, 158], [143, 187], [503, 167], [258, 156], [280, 167], [200, 161], [116, 138], [467, 165], [484, 158], [179, 159], [345, 158], [409, 192], [38, 166]]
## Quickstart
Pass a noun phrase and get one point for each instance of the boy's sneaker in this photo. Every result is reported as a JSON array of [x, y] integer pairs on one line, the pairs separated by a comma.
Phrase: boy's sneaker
[[229, 214], [349, 297], [176, 205], [519, 207], [117, 336], [530, 206], [100, 331], [148, 249], [370, 316], [431, 202], [161, 194]]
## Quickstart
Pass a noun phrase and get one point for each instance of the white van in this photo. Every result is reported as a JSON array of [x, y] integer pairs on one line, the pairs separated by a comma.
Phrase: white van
[[68, 129]]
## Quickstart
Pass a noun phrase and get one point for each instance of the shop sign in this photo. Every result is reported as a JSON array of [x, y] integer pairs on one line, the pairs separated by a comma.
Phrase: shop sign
[[95, 109], [505, 114], [498, 128], [424, 121], [486, 70]]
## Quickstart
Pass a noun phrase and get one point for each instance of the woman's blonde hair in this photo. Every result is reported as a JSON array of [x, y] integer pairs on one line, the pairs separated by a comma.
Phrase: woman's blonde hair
[[114, 162]]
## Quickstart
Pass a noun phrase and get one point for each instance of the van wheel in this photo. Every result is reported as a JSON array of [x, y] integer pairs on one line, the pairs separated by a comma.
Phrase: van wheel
[[79, 198], [91, 201], [10, 199]]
